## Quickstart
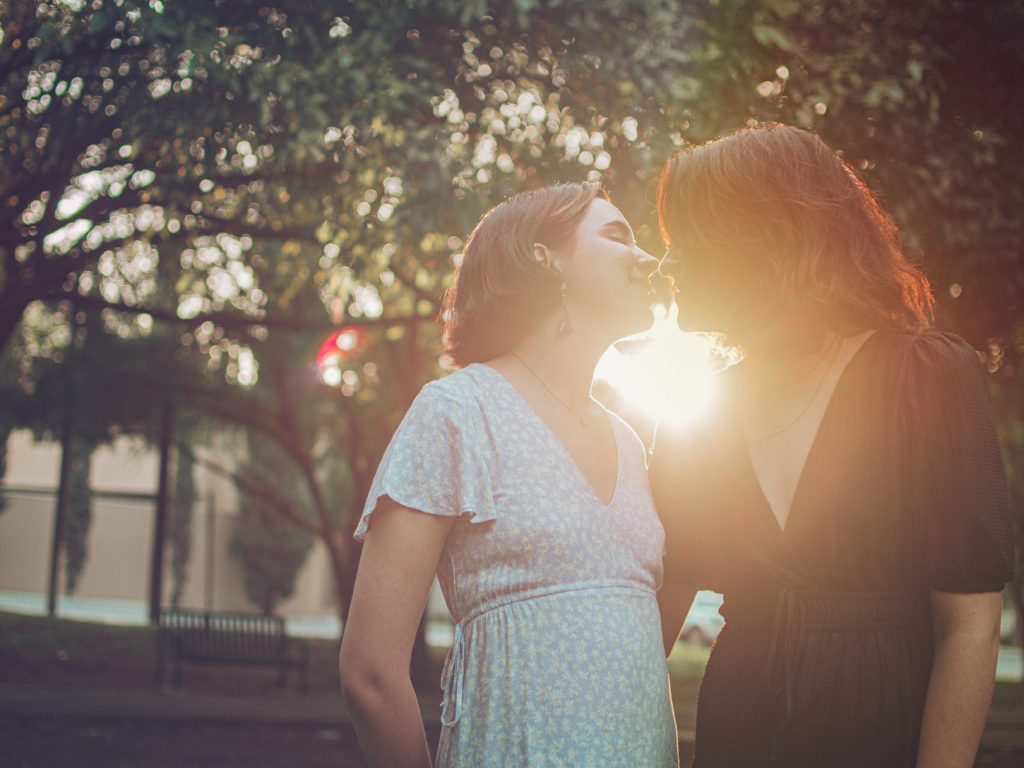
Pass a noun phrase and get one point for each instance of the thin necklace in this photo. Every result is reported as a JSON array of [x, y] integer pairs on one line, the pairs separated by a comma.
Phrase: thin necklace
[[802, 376], [582, 417], [765, 438]]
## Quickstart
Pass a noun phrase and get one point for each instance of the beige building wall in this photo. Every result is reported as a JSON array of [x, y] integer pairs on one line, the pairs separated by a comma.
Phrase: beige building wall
[[26, 530], [121, 534]]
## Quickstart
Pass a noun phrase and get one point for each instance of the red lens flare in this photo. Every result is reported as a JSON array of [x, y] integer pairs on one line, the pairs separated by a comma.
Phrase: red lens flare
[[342, 345]]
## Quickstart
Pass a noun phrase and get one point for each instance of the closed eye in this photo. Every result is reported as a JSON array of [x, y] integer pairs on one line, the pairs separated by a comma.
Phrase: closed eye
[[620, 233]]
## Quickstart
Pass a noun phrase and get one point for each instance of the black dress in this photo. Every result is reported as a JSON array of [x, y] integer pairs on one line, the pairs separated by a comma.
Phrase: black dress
[[826, 652]]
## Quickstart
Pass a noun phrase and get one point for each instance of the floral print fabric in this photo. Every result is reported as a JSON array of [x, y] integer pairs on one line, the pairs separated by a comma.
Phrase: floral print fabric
[[557, 658]]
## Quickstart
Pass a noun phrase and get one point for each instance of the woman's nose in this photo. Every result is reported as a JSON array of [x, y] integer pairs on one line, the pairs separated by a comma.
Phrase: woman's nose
[[645, 262]]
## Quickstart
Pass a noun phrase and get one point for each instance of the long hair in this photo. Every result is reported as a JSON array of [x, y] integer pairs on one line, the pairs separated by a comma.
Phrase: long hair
[[499, 292], [769, 220]]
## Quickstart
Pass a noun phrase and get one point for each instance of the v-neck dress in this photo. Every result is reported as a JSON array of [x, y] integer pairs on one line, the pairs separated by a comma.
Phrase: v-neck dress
[[827, 647], [557, 658]]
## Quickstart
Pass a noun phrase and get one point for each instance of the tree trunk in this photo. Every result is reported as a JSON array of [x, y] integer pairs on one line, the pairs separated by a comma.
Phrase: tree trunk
[[67, 432], [156, 576], [63, 493]]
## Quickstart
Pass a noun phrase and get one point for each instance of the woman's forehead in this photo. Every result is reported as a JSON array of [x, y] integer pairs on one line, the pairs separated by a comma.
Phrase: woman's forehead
[[601, 213]]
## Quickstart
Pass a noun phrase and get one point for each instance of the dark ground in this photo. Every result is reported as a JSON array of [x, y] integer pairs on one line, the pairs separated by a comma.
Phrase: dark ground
[[81, 695]]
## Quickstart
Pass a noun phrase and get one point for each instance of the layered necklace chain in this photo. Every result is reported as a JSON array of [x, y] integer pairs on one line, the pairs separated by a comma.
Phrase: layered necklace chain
[[834, 349], [584, 418]]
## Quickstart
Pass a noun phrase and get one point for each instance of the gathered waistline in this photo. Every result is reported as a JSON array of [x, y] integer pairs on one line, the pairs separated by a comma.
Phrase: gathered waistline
[[812, 610], [454, 665]]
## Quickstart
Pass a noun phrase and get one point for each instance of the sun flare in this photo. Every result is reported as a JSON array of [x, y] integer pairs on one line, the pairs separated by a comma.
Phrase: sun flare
[[667, 374]]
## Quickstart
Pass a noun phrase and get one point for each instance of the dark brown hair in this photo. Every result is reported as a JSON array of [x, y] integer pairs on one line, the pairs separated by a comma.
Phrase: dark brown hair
[[499, 292], [770, 218]]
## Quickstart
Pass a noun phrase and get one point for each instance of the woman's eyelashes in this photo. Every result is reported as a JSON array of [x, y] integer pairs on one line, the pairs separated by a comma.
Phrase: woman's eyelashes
[[619, 233]]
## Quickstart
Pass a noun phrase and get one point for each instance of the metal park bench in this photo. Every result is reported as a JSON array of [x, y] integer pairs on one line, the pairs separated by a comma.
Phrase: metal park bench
[[213, 637]]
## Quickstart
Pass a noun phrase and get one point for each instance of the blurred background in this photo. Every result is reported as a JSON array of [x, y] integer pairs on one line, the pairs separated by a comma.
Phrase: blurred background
[[225, 230]]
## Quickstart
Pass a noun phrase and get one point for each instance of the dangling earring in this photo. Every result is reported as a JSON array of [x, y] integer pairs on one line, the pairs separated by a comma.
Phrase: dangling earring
[[564, 327]]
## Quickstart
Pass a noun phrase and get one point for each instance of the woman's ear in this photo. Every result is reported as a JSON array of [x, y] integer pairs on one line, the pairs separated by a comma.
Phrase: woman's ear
[[547, 258], [542, 255]]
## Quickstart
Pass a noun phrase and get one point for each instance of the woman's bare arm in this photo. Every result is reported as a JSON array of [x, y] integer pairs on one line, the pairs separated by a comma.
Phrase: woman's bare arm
[[397, 566], [674, 602], [966, 630]]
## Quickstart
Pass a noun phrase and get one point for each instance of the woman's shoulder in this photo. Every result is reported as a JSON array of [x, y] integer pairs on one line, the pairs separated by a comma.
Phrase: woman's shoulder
[[442, 398], [934, 345], [463, 384], [936, 353], [940, 383], [459, 396], [455, 385]]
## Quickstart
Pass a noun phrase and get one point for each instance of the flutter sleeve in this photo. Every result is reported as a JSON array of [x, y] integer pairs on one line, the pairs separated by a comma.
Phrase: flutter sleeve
[[962, 511], [436, 462]]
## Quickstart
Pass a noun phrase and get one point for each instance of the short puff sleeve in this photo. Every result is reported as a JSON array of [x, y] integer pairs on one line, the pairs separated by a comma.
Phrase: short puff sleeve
[[959, 493], [436, 461]]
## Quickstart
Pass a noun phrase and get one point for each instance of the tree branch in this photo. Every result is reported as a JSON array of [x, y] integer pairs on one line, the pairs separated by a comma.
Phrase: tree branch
[[231, 320]]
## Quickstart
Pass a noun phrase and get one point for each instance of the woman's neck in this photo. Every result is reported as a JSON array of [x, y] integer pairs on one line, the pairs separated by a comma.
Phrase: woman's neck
[[784, 355], [564, 363]]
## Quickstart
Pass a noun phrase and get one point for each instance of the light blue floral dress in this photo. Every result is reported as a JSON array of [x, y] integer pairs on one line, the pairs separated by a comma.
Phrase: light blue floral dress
[[557, 658]]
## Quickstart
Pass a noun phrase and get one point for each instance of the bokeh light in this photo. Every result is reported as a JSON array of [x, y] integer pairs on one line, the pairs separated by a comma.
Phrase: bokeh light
[[337, 350]]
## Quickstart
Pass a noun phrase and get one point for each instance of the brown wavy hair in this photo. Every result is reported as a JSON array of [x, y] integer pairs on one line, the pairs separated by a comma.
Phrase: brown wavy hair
[[769, 220], [499, 292]]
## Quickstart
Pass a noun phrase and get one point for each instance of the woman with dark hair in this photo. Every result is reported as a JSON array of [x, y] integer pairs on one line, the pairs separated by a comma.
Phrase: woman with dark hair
[[846, 494], [539, 521]]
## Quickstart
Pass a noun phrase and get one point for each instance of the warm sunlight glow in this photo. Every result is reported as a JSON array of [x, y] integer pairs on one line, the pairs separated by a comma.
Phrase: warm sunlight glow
[[663, 371]]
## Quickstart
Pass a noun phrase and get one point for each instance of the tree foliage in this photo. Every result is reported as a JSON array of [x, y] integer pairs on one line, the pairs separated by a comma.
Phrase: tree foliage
[[242, 179]]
